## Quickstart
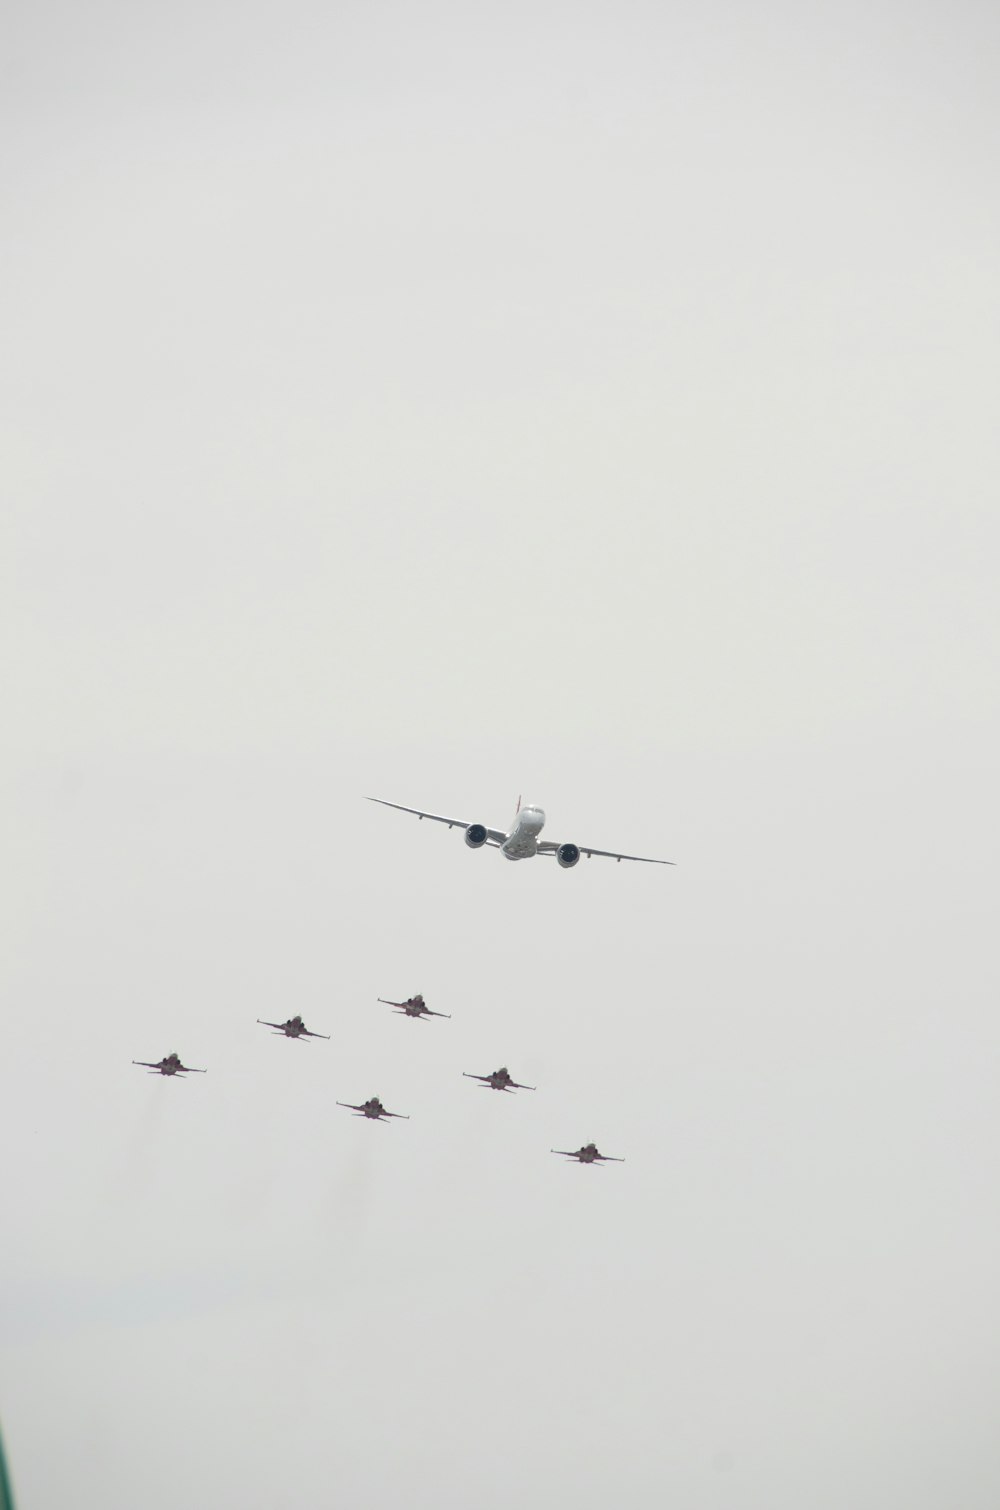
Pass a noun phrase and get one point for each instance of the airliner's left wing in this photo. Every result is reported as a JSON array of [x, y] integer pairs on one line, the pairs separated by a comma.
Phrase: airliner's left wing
[[497, 835], [546, 847]]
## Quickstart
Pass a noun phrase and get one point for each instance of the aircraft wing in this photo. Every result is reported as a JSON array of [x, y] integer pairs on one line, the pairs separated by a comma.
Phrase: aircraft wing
[[547, 847], [495, 835]]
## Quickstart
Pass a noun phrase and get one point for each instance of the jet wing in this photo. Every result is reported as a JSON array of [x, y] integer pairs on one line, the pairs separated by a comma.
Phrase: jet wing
[[496, 835], [547, 847]]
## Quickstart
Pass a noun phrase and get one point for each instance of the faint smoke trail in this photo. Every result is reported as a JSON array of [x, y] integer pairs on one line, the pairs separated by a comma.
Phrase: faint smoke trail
[[141, 1141], [343, 1219]]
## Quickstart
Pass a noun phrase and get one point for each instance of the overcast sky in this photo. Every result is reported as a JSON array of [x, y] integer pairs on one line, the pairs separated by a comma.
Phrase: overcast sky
[[444, 403]]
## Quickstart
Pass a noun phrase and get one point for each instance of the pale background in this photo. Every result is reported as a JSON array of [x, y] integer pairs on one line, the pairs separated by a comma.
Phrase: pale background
[[446, 402]]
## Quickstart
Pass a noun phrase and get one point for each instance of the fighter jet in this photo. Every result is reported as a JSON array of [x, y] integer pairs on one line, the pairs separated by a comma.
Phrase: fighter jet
[[499, 1081], [588, 1155], [372, 1108], [171, 1065], [413, 1006], [293, 1028]]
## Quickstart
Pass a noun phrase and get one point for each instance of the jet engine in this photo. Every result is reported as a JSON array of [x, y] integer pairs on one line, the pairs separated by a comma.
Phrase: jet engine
[[567, 855], [475, 836]]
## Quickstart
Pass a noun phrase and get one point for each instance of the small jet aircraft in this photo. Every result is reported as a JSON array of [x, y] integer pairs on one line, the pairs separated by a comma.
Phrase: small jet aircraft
[[522, 843], [293, 1028], [499, 1081], [372, 1108], [588, 1155], [171, 1065], [413, 1006]]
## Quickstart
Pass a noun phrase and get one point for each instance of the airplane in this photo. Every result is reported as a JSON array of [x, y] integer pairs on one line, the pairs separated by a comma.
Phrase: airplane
[[293, 1028], [588, 1155], [372, 1108], [413, 1006], [522, 843], [171, 1065], [499, 1081]]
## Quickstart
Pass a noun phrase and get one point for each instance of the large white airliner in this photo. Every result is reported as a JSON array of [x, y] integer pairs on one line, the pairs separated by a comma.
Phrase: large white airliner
[[522, 843]]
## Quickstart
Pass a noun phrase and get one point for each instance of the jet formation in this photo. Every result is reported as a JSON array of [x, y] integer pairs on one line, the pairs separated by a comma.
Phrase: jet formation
[[373, 1109], [520, 842]]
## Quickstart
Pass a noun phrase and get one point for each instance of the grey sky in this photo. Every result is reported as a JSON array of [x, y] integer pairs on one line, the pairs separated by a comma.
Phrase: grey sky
[[446, 404]]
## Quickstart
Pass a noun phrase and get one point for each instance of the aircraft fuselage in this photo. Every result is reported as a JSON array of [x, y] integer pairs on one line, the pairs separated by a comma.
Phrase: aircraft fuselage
[[522, 841]]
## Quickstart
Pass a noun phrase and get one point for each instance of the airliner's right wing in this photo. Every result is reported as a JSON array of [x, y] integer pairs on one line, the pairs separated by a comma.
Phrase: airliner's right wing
[[611, 854], [549, 847], [495, 834]]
